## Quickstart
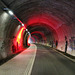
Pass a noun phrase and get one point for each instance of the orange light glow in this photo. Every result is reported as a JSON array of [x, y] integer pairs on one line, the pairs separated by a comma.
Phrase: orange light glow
[[20, 35], [18, 41]]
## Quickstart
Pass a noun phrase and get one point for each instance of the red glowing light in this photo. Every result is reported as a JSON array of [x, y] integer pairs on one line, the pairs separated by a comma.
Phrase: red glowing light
[[20, 36], [36, 37], [38, 32], [18, 41], [18, 19], [58, 28]]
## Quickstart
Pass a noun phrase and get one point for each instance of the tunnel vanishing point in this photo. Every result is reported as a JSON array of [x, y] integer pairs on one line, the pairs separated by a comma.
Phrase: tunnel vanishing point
[[49, 22]]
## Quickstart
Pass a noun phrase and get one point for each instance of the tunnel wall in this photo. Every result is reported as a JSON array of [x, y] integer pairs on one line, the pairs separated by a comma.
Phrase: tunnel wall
[[61, 28], [69, 32], [36, 11], [8, 26]]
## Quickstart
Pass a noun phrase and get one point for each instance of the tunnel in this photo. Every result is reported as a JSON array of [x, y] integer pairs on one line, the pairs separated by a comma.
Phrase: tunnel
[[46, 22]]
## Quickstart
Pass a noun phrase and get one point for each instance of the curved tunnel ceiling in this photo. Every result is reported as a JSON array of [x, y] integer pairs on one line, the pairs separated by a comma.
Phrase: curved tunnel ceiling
[[24, 9], [41, 31], [58, 16]]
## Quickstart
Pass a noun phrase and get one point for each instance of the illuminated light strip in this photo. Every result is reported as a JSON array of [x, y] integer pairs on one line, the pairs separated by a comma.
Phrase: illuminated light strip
[[19, 20], [20, 35], [10, 12], [18, 42]]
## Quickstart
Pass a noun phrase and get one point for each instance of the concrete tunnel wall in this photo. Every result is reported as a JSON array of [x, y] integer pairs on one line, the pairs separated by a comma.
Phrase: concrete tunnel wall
[[9, 28], [30, 11], [61, 31]]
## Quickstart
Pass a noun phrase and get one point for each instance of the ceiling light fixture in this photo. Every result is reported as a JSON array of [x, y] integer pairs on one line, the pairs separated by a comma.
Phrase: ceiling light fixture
[[22, 24], [10, 12]]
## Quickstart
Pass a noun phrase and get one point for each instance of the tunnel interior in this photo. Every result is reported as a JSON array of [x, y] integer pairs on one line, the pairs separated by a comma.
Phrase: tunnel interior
[[41, 33], [47, 21]]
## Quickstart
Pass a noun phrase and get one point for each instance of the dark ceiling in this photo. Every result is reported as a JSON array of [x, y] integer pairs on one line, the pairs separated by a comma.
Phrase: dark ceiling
[[63, 9]]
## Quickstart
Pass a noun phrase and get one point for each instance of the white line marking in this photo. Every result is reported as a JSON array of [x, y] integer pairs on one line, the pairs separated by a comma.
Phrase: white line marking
[[30, 64]]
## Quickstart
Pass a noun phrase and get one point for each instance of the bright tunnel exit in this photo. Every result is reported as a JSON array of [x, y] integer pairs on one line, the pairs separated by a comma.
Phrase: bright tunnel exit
[[30, 40]]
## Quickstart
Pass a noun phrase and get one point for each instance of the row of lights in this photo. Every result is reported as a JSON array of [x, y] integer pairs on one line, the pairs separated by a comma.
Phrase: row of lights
[[11, 13]]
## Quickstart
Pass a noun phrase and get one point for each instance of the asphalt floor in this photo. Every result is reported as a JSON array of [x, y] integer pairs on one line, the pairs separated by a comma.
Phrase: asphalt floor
[[50, 62], [38, 60]]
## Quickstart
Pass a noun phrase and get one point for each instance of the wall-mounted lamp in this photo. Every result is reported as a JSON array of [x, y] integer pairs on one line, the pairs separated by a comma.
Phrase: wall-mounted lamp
[[26, 29], [22, 24], [10, 12], [28, 32]]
